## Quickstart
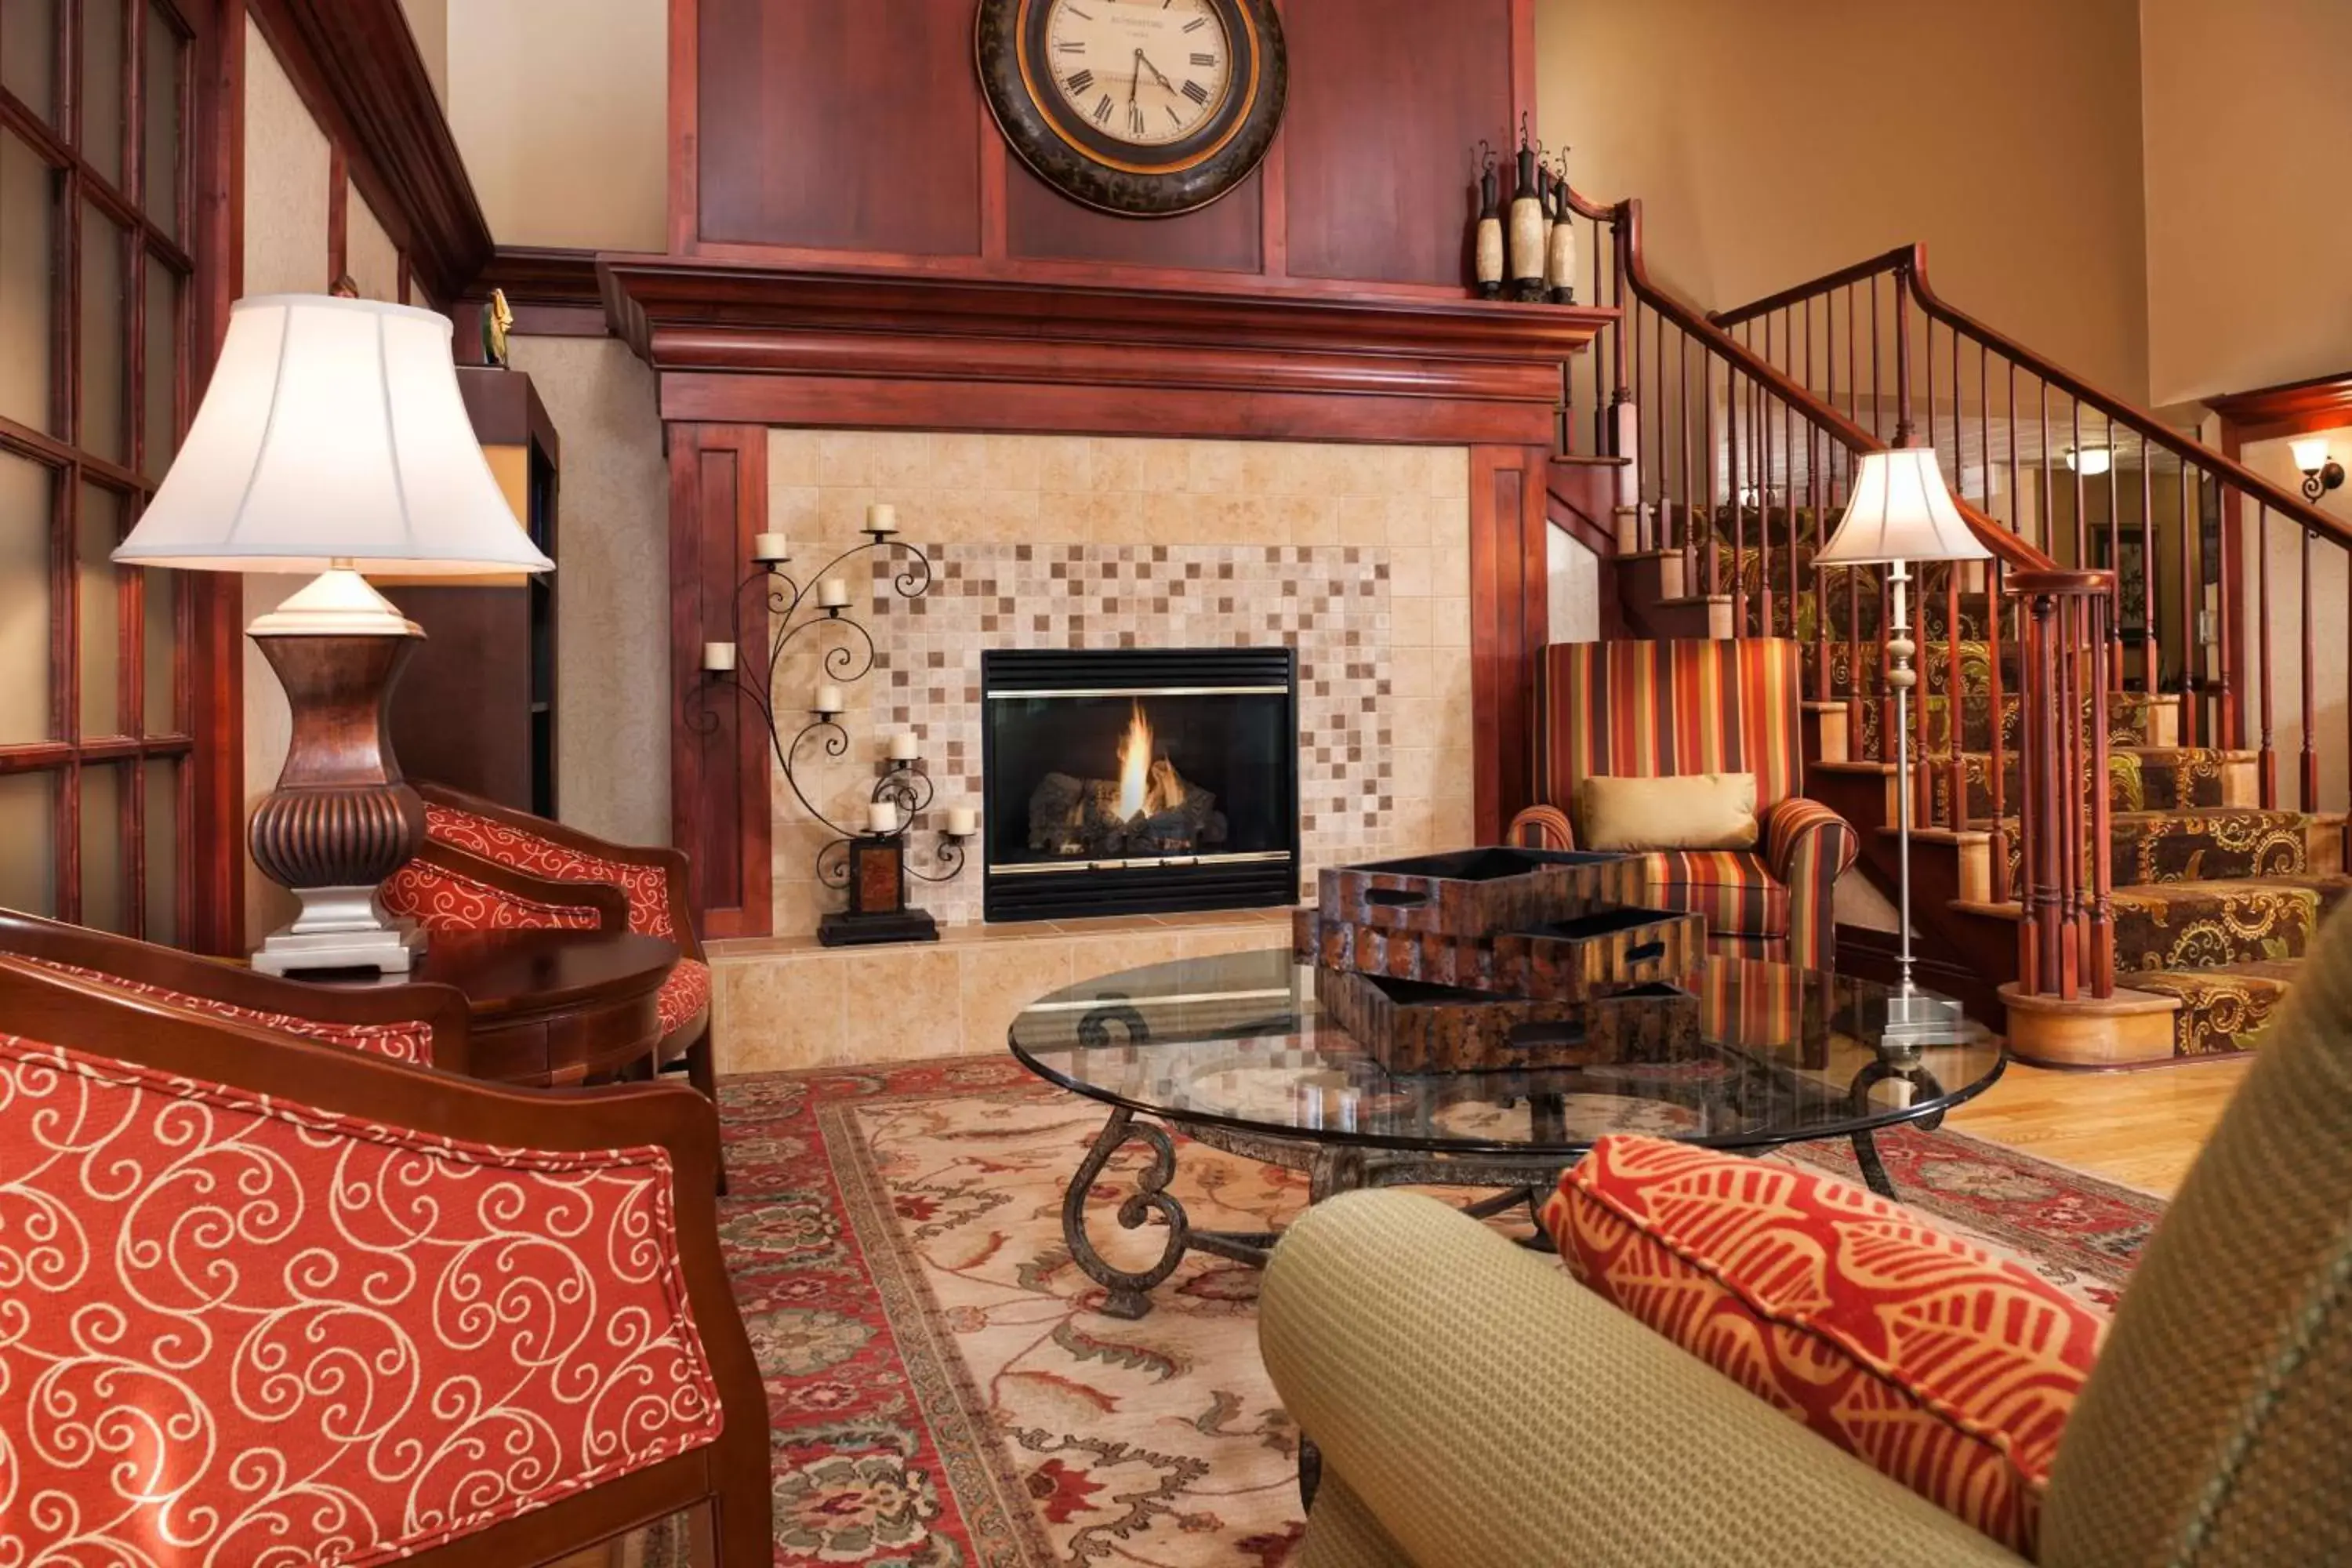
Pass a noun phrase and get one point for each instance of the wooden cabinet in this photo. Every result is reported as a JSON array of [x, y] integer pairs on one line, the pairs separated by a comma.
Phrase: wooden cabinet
[[475, 709]]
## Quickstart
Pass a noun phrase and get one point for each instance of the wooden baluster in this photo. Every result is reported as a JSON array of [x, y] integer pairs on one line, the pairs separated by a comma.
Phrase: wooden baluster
[[1816, 445], [2262, 653], [1761, 416], [1997, 765], [2082, 510], [2043, 852], [1640, 454], [2192, 651], [1708, 524], [2016, 499], [1956, 765], [1901, 360], [2102, 835], [1960, 424], [1789, 426], [2151, 660], [2228, 568], [1681, 442], [1599, 400], [2048, 524], [1741, 455], [2308, 797], [1877, 393], [1929, 351], [2068, 784]]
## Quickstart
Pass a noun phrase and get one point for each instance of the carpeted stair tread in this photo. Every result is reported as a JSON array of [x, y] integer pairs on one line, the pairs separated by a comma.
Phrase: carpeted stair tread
[[2224, 1008], [2213, 924], [2139, 778], [2228, 843]]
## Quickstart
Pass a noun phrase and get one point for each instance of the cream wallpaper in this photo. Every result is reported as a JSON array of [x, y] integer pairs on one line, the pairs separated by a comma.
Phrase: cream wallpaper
[[1358, 555], [285, 176]]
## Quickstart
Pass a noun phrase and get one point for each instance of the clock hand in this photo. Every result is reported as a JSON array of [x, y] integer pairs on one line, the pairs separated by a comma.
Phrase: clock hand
[[1155, 70]]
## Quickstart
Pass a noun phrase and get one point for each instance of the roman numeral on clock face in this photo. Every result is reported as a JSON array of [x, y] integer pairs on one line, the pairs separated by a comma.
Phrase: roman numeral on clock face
[[1196, 92], [1135, 118], [1082, 80], [1071, 47], [1102, 110], [1204, 60], [1196, 24]]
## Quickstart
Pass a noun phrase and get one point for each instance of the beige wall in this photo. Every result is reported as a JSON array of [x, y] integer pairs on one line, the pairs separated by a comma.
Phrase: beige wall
[[1770, 144], [611, 721], [560, 108], [286, 178], [2249, 139]]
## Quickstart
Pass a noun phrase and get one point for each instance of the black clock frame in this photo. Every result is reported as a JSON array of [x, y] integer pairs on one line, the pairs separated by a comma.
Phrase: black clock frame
[[1076, 158]]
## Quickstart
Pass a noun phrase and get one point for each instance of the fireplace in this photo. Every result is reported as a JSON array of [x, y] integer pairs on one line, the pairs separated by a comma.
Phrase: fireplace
[[1138, 780]]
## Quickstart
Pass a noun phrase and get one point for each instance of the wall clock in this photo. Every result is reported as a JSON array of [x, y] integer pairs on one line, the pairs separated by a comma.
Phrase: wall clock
[[1146, 108]]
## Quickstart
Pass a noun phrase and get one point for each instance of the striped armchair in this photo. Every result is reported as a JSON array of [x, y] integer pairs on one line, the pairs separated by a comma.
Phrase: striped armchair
[[1657, 709]]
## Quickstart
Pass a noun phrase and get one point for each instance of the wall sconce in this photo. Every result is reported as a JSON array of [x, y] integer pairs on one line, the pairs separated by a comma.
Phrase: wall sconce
[[2319, 475], [2089, 461]]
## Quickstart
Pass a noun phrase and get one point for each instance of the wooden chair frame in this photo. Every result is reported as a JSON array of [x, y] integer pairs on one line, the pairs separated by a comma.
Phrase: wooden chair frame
[[727, 1481]]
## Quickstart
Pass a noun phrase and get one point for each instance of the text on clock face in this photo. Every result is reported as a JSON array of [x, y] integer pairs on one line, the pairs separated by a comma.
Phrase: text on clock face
[[1149, 72]]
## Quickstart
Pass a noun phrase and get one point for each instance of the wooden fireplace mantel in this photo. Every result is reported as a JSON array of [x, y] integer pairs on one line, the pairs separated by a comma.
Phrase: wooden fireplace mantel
[[738, 348], [734, 345]]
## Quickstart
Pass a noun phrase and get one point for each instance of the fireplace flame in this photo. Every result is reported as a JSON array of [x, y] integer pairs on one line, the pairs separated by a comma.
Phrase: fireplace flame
[[1135, 767]]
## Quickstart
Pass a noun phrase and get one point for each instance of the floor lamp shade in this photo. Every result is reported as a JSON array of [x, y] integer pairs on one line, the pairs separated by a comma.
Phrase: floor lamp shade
[[1900, 509], [333, 437], [332, 434]]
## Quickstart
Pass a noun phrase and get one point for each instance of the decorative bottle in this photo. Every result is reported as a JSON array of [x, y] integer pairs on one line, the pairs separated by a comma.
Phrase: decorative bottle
[[1526, 231], [1560, 249], [1488, 261]]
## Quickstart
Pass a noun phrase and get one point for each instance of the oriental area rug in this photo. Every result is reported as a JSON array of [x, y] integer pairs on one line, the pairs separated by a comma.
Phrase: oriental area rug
[[943, 1392]]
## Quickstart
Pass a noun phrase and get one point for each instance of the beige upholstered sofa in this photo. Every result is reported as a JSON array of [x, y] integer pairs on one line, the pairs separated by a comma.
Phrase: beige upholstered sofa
[[1476, 1407]]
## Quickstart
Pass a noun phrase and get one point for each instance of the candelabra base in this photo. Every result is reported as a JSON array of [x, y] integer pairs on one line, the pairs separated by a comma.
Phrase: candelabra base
[[842, 928], [1913, 1019]]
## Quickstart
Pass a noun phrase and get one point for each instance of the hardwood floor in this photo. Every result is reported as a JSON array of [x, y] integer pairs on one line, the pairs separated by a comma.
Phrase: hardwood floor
[[2141, 1129]]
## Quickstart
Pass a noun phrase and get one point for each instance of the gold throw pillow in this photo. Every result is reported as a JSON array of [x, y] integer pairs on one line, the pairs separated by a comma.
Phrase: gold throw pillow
[[1694, 811]]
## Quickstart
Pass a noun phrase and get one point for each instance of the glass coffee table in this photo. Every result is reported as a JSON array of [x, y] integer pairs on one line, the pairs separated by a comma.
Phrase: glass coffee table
[[1233, 1051]]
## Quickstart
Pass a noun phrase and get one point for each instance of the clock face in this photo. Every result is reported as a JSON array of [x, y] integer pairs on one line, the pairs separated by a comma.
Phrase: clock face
[[1148, 74], [1139, 107]]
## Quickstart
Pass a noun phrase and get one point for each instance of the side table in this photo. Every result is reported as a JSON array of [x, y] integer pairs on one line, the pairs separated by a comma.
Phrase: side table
[[550, 1008]]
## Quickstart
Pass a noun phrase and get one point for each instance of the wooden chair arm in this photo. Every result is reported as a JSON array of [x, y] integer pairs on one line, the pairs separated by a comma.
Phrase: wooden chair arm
[[611, 904], [442, 1008], [675, 867]]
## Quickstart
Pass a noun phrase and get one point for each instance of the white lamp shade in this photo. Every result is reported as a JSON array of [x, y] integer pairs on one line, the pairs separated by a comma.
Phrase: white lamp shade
[[2310, 453], [333, 433], [1900, 510]]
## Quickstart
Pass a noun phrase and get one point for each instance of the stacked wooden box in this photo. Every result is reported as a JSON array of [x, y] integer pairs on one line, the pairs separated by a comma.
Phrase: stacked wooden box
[[1496, 958]]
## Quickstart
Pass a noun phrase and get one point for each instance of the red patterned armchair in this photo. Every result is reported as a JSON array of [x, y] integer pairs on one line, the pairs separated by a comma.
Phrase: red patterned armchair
[[1658, 710], [487, 865], [269, 1300]]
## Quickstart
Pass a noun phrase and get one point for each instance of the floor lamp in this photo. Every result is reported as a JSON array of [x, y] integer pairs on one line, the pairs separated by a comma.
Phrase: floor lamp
[[332, 438], [1899, 512]]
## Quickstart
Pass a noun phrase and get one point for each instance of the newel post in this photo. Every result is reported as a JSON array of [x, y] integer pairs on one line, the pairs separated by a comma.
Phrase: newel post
[[2066, 937]]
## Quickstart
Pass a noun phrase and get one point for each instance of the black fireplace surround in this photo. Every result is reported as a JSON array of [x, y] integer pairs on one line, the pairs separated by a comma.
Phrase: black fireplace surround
[[1138, 780]]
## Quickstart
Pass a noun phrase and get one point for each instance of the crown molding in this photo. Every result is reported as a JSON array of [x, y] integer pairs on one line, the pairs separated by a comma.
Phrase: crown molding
[[357, 67]]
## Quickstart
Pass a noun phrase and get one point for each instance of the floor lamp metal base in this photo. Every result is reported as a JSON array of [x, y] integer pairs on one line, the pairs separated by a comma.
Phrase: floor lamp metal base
[[1915, 1019]]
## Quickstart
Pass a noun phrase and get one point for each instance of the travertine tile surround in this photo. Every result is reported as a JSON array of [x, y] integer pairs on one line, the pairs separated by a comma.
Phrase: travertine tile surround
[[1273, 541], [1358, 556]]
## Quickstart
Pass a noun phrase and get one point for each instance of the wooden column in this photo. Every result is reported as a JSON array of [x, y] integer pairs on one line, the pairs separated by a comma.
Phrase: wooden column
[[719, 813], [1510, 617]]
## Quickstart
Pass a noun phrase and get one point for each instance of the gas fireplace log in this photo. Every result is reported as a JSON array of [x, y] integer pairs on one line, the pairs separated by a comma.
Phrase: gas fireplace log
[[1070, 815]]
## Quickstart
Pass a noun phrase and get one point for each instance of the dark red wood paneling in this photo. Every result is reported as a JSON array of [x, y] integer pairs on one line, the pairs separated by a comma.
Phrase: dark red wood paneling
[[1387, 98], [1041, 223], [1509, 621], [719, 778], [852, 126]]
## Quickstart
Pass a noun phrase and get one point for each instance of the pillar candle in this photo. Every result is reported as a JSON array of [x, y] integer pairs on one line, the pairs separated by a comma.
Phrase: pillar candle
[[828, 699], [718, 657], [903, 748], [882, 817], [962, 822], [769, 547], [832, 594], [881, 517]]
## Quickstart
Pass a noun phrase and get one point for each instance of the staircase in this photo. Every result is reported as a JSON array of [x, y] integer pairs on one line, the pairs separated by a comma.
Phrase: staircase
[[2103, 834]]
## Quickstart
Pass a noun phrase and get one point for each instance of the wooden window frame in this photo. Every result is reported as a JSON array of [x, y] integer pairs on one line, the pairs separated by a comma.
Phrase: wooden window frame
[[205, 735]]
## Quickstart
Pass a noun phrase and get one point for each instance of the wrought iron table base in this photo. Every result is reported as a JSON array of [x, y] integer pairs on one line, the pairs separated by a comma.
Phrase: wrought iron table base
[[1331, 1168]]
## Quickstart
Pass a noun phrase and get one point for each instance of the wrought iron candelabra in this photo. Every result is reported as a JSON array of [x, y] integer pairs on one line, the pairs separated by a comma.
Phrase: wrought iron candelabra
[[870, 864]]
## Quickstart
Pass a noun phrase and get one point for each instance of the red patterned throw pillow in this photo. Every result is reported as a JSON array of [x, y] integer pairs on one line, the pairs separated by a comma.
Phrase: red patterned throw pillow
[[1938, 1364]]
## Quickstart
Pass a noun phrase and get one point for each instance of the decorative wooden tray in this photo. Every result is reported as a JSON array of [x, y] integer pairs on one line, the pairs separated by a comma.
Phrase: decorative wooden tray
[[1411, 1026], [1472, 893]]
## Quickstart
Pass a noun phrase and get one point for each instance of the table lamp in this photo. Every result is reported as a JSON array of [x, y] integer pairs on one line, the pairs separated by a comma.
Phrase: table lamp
[[332, 438], [1900, 511]]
